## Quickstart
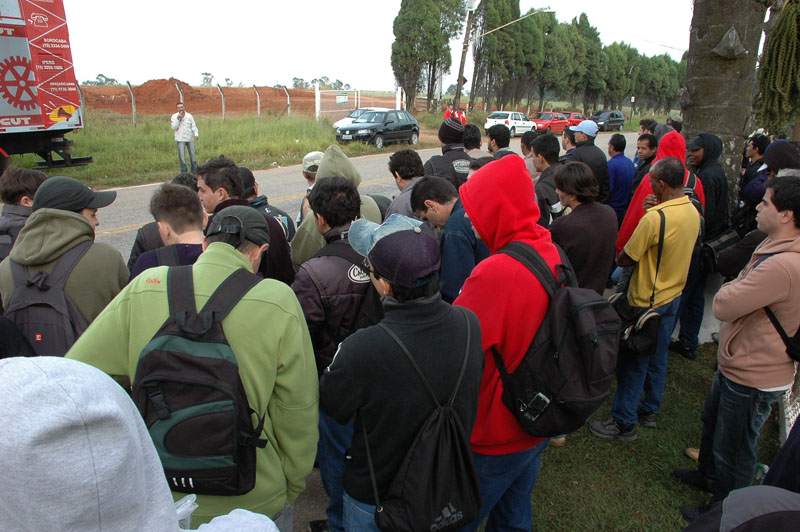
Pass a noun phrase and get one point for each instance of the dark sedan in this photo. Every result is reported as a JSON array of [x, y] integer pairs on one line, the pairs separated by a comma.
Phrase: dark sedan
[[381, 127]]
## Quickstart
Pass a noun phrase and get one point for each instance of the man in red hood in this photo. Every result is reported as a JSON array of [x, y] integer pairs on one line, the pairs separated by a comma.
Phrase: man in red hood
[[510, 304]]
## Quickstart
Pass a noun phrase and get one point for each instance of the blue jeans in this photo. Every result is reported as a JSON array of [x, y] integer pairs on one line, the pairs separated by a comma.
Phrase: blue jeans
[[506, 482], [732, 419], [334, 440], [358, 516], [693, 304], [182, 156], [637, 374]]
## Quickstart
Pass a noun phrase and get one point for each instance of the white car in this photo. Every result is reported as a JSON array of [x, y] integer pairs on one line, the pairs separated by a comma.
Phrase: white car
[[349, 119], [517, 123]]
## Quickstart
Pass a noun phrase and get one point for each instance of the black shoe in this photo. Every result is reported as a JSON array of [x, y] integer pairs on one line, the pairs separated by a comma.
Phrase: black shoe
[[647, 419], [693, 478], [687, 352], [611, 430], [693, 512], [318, 526]]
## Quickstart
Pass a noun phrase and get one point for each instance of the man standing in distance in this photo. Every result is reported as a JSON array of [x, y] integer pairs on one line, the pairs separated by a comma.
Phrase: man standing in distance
[[185, 135], [586, 152]]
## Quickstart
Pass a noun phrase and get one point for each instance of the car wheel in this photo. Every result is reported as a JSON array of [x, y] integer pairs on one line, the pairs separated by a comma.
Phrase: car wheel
[[513, 132], [378, 141], [414, 138]]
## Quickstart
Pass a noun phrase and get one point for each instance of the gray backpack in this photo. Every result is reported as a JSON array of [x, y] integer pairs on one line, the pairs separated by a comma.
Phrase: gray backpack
[[40, 308]]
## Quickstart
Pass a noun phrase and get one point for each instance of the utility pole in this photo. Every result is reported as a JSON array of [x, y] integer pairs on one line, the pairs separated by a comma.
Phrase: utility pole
[[460, 82]]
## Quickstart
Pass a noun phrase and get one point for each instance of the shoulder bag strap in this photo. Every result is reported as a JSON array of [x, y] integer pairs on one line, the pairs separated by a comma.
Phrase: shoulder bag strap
[[660, 252], [782, 332]]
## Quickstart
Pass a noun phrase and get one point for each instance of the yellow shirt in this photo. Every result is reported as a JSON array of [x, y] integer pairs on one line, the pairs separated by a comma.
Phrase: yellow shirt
[[681, 229]]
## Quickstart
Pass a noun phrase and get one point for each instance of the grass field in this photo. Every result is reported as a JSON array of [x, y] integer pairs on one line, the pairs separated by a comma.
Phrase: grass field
[[127, 156], [600, 485]]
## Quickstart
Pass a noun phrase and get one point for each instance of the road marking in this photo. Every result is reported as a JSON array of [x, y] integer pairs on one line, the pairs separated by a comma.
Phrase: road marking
[[277, 199]]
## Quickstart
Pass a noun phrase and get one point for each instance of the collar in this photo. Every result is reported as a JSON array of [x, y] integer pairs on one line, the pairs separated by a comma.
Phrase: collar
[[421, 310], [230, 203]]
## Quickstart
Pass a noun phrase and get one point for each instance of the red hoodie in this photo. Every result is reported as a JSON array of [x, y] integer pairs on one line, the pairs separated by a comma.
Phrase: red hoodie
[[507, 298], [671, 145]]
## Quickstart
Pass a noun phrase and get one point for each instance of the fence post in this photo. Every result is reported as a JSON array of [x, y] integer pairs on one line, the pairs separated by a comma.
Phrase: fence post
[[258, 102], [288, 102], [179, 91], [133, 103], [317, 102], [223, 102], [398, 100]]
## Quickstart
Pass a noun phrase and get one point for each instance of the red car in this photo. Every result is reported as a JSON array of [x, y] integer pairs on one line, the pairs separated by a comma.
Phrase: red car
[[550, 122], [575, 118]]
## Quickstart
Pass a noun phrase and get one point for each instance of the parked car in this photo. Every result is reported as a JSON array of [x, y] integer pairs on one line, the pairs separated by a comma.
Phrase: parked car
[[349, 119], [381, 127], [517, 123], [608, 120], [575, 118], [550, 122]]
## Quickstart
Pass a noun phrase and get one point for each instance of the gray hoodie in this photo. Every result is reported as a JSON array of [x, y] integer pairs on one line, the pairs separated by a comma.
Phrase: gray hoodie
[[76, 456]]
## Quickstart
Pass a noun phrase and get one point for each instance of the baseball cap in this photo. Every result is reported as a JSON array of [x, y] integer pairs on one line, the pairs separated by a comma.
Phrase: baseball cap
[[312, 160], [697, 143], [69, 194], [587, 127], [778, 155], [250, 224], [402, 250]]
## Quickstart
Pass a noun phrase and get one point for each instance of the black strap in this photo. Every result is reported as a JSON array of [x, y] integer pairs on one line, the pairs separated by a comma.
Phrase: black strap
[[61, 270], [378, 507], [787, 341], [168, 256], [661, 232], [342, 249], [531, 259], [691, 181]]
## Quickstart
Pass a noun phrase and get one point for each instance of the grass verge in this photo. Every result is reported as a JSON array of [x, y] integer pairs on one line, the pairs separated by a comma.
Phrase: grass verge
[[593, 484], [127, 156]]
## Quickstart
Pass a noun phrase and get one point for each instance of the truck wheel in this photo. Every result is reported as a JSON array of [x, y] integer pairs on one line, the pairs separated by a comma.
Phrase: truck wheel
[[378, 141]]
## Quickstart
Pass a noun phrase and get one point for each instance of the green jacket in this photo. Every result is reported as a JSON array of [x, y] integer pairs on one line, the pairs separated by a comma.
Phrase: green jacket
[[308, 240], [49, 233], [268, 334]]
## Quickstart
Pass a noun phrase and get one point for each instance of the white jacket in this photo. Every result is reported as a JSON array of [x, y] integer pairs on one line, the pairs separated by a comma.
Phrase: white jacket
[[185, 129]]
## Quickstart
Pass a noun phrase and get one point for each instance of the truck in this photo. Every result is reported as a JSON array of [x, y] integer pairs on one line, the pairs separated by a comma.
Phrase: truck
[[39, 96]]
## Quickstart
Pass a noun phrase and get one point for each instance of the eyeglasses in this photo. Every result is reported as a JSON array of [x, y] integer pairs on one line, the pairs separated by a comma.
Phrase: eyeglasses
[[367, 267]]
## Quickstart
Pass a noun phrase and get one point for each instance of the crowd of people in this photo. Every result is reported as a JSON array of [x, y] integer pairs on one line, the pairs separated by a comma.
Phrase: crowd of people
[[254, 347]]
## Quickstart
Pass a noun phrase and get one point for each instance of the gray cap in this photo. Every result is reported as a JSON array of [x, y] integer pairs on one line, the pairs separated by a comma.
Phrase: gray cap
[[311, 161], [69, 194], [249, 224]]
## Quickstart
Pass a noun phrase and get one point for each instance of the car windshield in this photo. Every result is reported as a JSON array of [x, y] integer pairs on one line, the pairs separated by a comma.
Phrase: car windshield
[[498, 115], [542, 116], [356, 113], [371, 116]]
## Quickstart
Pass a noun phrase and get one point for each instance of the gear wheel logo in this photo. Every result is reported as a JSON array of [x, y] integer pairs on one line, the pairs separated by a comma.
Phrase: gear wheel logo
[[18, 83]]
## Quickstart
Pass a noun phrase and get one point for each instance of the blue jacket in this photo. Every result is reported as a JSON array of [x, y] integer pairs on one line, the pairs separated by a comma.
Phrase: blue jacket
[[461, 251], [621, 172]]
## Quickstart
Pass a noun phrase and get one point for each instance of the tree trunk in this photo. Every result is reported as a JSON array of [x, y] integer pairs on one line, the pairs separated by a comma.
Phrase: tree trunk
[[717, 96]]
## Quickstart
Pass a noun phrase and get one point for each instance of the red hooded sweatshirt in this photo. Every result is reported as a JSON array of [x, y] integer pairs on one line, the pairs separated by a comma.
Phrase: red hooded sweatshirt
[[671, 145], [507, 298]]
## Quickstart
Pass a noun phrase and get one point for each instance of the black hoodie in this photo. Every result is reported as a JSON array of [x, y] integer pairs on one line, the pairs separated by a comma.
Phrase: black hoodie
[[715, 186]]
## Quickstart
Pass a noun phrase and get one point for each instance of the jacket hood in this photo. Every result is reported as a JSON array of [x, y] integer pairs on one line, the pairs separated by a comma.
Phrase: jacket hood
[[76, 453], [336, 164], [769, 247], [501, 204], [712, 150], [671, 145], [48, 234]]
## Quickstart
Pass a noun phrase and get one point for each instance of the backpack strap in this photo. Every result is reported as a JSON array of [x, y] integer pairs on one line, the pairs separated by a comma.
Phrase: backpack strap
[[532, 260], [230, 292], [168, 256], [691, 182], [787, 340], [58, 277]]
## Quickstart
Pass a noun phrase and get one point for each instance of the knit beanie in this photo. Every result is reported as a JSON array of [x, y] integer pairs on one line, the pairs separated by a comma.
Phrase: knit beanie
[[451, 131]]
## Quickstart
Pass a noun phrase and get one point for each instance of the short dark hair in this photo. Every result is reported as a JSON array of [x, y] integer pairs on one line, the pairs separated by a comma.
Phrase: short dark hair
[[652, 141], [670, 171], [233, 239], [477, 164], [186, 179], [406, 163], [648, 124], [577, 178], [248, 181], [760, 143], [178, 206], [618, 142], [547, 146], [528, 137], [221, 172], [472, 137], [500, 134], [432, 188], [786, 195], [336, 199], [16, 183], [570, 135], [179, 103], [677, 125]]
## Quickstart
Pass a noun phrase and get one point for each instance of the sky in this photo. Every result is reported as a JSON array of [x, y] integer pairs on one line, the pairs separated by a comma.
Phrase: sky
[[270, 42]]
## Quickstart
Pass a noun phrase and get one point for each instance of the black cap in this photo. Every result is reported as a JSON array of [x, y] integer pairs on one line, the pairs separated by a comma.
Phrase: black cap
[[250, 224], [697, 144], [68, 194]]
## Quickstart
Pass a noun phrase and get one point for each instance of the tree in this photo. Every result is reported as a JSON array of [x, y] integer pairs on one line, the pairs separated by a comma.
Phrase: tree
[[779, 73], [558, 59], [417, 33], [592, 83], [720, 74], [228, 82], [299, 83], [208, 78]]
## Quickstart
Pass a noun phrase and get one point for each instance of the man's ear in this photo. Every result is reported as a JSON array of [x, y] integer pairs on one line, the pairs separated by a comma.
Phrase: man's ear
[[430, 205], [26, 201], [165, 231]]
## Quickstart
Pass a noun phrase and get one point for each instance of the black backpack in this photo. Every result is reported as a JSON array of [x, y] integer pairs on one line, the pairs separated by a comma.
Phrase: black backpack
[[371, 311], [188, 390], [566, 373], [436, 487], [43, 312]]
